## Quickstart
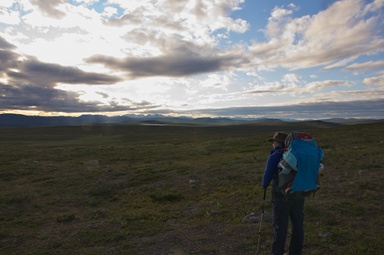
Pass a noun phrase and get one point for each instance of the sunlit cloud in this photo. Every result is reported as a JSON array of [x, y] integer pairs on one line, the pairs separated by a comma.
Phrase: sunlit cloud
[[370, 65], [379, 80]]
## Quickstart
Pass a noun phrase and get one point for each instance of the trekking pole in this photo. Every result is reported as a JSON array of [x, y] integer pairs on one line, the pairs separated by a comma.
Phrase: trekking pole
[[261, 220]]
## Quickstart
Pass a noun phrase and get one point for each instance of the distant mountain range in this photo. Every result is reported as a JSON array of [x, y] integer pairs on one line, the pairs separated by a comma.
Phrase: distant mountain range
[[18, 120]]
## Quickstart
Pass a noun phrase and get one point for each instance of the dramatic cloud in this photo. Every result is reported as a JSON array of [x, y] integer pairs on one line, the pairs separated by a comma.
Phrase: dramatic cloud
[[66, 57], [31, 84], [43, 73], [346, 29], [171, 65]]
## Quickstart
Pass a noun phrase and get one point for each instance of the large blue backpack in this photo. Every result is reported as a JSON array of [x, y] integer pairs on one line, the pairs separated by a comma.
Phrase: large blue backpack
[[300, 165]]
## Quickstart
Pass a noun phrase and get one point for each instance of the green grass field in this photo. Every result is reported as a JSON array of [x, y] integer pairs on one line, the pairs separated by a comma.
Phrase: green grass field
[[119, 189]]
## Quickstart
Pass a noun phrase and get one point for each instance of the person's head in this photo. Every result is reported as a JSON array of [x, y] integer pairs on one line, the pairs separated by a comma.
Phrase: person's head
[[278, 139]]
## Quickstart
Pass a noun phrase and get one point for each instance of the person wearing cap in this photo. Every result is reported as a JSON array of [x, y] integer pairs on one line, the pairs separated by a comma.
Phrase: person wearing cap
[[283, 207]]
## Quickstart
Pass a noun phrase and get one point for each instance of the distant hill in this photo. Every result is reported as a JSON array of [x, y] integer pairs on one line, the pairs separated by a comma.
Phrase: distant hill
[[18, 120], [353, 121], [21, 121]]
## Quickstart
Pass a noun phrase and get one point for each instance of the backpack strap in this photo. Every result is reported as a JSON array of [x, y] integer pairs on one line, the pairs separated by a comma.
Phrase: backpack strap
[[280, 151]]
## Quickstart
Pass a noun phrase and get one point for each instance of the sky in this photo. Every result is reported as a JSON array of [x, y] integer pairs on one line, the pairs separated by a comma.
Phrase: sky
[[298, 59]]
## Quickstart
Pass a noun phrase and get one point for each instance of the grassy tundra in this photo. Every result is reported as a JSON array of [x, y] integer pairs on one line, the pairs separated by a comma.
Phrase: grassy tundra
[[179, 190]]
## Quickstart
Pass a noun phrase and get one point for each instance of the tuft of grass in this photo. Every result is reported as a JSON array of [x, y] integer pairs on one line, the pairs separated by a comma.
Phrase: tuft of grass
[[65, 218], [166, 196]]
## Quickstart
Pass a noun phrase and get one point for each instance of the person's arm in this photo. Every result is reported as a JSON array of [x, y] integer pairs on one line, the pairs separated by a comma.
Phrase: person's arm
[[271, 169]]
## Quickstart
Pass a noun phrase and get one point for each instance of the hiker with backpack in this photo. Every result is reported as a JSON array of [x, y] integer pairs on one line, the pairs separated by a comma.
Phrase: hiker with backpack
[[292, 167]]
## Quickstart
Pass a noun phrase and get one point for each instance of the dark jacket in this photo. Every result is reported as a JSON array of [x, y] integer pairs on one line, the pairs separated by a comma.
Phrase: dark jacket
[[271, 167]]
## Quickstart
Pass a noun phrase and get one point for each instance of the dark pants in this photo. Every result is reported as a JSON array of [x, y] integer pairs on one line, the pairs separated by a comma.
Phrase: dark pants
[[284, 209]]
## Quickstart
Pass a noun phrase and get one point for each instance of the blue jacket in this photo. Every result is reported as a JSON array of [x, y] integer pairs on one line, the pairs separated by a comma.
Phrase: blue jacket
[[271, 167]]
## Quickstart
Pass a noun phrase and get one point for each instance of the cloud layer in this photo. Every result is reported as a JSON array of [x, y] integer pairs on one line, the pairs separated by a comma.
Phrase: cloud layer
[[85, 56]]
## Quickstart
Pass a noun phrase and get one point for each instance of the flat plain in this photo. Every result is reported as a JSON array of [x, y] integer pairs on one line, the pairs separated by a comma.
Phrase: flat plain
[[131, 189]]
